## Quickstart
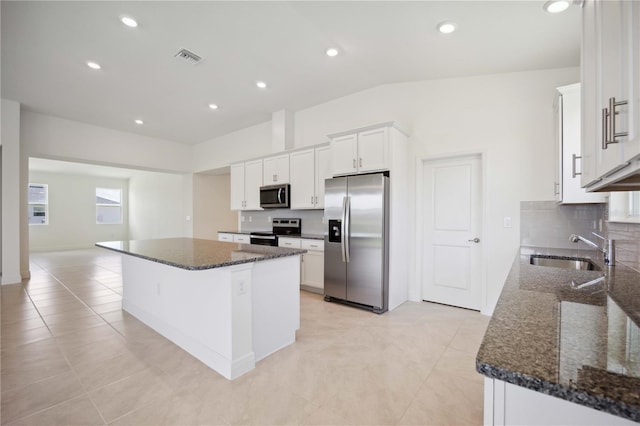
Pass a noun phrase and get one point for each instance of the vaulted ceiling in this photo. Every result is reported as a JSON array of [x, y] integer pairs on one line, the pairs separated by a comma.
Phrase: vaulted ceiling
[[46, 45]]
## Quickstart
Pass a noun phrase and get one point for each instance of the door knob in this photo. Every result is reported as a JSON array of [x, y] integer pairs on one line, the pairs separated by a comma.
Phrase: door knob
[[475, 240]]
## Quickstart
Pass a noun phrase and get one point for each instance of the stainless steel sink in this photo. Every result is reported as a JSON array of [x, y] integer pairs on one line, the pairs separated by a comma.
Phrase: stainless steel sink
[[563, 262]]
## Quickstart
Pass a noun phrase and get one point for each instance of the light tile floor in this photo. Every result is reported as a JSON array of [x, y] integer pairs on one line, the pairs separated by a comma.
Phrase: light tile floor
[[71, 356]]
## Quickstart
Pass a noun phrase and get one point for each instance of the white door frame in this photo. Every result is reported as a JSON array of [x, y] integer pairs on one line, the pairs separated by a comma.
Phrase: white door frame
[[420, 164]]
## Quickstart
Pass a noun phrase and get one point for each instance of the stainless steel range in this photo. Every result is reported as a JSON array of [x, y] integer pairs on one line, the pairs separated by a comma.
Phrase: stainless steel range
[[281, 226]]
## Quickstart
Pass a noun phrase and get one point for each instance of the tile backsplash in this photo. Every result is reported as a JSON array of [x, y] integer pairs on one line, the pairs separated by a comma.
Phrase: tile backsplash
[[547, 224], [261, 220], [627, 238]]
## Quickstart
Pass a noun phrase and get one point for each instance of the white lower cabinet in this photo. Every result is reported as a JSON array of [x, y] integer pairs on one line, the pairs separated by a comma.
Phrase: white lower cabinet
[[312, 262], [223, 236], [241, 238], [234, 238], [312, 270], [507, 404]]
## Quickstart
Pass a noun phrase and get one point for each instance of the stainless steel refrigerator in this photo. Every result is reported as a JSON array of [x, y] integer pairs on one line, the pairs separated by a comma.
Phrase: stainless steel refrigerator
[[356, 256]]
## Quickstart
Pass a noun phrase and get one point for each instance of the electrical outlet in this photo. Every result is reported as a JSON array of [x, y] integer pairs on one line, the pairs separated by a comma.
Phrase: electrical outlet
[[242, 218], [188, 218], [506, 222], [269, 219], [250, 218], [242, 287]]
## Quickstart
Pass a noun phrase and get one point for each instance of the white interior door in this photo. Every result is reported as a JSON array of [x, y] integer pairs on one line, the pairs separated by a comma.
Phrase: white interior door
[[452, 223]]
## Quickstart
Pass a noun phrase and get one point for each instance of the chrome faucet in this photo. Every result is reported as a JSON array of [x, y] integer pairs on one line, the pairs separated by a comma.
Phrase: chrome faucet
[[609, 249]]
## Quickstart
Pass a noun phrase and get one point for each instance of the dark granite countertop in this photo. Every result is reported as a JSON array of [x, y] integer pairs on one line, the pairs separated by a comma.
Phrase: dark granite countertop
[[197, 254], [579, 344]]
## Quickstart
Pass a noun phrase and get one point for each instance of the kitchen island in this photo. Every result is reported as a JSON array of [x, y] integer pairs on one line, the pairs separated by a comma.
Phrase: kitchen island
[[563, 346], [227, 304]]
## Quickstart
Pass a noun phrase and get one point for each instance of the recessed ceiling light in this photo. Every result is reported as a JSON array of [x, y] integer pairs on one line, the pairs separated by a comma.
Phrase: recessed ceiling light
[[213, 106], [447, 27], [261, 84], [332, 51], [129, 21], [556, 6], [93, 65], [138, 121]]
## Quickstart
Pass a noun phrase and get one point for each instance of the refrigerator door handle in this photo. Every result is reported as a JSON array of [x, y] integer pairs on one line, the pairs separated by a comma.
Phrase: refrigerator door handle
[[342, 228], [346, 235]]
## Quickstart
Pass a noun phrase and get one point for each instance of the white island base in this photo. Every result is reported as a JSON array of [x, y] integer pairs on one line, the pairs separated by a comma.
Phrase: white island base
[[227, 317]]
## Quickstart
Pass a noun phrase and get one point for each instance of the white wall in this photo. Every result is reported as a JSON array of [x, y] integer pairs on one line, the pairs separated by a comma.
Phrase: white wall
[[254, 141], [157, 205], [507, 117], [56, 138], [211, 206], [72, 213], [12, 245]]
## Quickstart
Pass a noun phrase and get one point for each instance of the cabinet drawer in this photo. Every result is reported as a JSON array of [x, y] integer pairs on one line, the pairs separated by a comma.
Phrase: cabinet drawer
[[225, 237], [289, 242], [316, 245], [241, 238]]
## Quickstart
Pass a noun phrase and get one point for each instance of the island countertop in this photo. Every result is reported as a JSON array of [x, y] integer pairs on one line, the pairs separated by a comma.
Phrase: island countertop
[[578, 344], [197, 254]]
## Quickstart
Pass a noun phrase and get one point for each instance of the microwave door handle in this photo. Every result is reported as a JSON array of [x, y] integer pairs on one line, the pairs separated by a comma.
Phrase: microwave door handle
[[279, 193]]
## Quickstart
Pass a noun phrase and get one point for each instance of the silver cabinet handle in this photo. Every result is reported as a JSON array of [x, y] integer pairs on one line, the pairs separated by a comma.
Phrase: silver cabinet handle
[[354, 163], [605, 127], [312, 199], [556, 188], [475, 240], [360, 161], [574, 157], [609, 133], [316, 199], [613, 111]]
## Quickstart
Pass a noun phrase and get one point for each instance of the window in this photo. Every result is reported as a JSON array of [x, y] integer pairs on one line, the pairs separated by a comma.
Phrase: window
[[108, 206], [38, 201]]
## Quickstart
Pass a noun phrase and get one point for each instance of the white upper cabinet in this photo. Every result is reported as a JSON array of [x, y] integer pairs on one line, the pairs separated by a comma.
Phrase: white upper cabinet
[[276, 170], [302, 176], [569, 159], [360, 152], [237, 186], [611, 106], [344, 154], [309, 169], [322, 172], [246, 180]]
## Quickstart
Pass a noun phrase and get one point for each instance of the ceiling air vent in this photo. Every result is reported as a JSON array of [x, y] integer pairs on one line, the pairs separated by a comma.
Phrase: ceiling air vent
[[188, 56]]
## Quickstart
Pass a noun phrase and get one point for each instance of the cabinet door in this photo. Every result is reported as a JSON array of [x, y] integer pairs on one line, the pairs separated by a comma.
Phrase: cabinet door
[[557, 122], [344, 153], [237, 186], [276, 170], [223, 236], [282, 168], [302, 179], [373, 150], [241, 238], [569, 134], [322, 172], [591, 110], [269, 171], [611, 79], [252, 184], [631, 11], [313, 269]]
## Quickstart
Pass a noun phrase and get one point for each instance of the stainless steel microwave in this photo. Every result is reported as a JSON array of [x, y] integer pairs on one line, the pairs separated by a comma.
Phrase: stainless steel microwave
[[275, 196]]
